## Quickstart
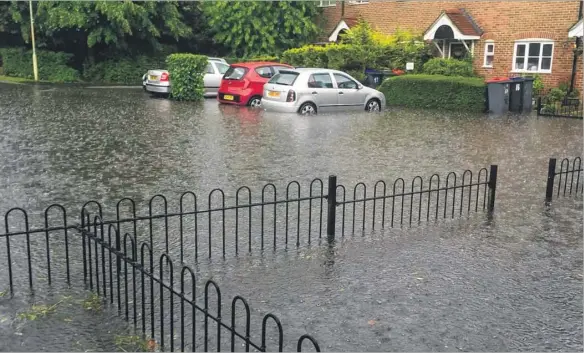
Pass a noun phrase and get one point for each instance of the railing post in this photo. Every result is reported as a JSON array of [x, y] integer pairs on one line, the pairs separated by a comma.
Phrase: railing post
[[539, 105], [332, 208], [492, 187], [549, 190]]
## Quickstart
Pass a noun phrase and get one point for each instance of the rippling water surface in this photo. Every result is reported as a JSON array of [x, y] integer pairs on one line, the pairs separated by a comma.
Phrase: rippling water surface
[[513, 282]]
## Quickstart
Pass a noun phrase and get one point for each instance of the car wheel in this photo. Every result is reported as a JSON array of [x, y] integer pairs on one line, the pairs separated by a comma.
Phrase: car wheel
[[255, 102], [373, 105], [307, 109]]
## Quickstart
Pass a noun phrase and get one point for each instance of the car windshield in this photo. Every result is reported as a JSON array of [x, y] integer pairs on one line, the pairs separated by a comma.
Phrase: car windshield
[[222, 67], [235, 73], [284, 78]]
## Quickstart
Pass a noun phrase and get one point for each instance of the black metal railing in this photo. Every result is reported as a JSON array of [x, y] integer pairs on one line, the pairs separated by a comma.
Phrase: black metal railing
[[565, 108], [271, 220], [160, 299], [112, 251], [568, 178], [153, 292]]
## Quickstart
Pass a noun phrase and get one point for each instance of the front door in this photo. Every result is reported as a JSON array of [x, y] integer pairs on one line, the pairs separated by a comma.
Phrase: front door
[[321, 88]]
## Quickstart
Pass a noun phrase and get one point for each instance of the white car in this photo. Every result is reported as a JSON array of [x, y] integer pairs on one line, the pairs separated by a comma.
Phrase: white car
[[158, 81], [308, 91]]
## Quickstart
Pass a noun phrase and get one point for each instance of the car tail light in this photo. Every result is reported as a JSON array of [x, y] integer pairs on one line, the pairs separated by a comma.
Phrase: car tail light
[[291, 96], [164, 76]]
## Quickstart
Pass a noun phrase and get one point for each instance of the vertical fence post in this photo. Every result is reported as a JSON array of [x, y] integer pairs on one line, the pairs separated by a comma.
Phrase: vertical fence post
[[492, 187], [549, 190], [539, 105], [332, 208]]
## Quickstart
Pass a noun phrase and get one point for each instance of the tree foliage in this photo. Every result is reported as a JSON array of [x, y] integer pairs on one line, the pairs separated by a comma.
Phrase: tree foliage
[[249, 28]]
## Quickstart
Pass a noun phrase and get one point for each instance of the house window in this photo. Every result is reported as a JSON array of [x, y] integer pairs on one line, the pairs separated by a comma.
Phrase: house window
[[327, 3], [356, 2], [533, 56], [489, 54]]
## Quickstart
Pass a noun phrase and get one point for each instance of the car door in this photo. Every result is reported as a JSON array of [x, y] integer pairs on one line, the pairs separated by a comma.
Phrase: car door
[[349, 94], [208, 79], [322, 91], [213, 81]]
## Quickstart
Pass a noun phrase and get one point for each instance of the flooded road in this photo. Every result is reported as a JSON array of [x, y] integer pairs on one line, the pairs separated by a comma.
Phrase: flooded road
[[506, 284]]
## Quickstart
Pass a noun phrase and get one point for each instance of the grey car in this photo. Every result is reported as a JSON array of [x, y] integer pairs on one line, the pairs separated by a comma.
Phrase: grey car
[[158, 81], [308, 91]]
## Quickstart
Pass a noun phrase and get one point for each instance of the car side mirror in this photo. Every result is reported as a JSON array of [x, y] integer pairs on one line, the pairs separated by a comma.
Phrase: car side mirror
[[359, 86]]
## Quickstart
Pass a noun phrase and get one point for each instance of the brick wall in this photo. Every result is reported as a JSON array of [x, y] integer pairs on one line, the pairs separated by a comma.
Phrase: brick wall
[[501, 21]]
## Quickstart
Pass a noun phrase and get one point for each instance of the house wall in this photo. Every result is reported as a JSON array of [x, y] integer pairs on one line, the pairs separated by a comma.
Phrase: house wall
[[501, 21]]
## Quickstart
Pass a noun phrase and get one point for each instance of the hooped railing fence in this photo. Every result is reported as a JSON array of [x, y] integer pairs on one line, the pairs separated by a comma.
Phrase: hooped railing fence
[[566, 181], [138, 260]]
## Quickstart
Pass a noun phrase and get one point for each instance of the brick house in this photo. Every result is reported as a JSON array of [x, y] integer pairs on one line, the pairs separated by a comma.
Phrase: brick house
[[506, 37]]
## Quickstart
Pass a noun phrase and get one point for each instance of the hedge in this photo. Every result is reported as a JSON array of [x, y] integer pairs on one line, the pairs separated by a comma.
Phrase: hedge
[[448, 67], [124, 71], [436, 92], [52, 66], [186, 76]]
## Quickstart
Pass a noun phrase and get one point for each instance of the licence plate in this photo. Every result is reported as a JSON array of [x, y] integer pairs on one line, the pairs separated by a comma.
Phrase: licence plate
[[153, 78], [273, 94], [228, 97]]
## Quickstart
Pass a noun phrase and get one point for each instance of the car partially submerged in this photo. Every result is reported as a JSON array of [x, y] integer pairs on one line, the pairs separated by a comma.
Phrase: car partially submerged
[[158, 81], [311, 90]]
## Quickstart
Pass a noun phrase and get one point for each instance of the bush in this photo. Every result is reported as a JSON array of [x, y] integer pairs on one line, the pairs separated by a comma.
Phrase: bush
[[448, 67], [361, 48], [186, 76], [435, 92], [124, 71], [233, 60], [52, 66]]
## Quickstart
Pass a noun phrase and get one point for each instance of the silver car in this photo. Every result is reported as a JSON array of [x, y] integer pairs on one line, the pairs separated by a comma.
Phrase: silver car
[[158, 81], [308, 91]]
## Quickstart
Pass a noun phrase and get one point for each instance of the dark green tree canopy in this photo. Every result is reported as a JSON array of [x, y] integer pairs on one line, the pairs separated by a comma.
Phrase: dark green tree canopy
[[248, 28]]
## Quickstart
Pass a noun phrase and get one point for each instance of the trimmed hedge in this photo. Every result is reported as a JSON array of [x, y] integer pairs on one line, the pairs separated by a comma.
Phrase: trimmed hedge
[[436, 92], [186, 76], [52, 66], [448, 67], [124, 71], [233, 60]]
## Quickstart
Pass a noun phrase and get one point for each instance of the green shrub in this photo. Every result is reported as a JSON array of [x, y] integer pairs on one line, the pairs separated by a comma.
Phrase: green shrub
[[272, 58], [448, 67], [123, 71], [435, 92], [186, 76], [52, 66]]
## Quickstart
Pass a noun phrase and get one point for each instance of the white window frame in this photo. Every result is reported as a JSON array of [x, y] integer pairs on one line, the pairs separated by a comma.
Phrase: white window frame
[[527, 42], [487, 43], [358, 2], [327, 3]]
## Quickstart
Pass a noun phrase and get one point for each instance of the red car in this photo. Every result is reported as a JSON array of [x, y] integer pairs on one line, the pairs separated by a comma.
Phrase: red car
[[243, 83]]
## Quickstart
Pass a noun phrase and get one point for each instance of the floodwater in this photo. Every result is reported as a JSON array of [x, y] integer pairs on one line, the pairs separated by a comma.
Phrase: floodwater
[[512, 282]]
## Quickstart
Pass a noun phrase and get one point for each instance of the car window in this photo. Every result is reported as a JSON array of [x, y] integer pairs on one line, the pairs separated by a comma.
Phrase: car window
[[280, 68], [285, 78], [344, 82], [221, 67], [320, 81], [264, 71], [235, 73], [209, 69]]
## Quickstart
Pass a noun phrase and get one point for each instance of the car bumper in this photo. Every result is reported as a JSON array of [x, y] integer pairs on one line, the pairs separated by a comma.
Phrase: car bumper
[[157, 89], [237, 99], [280, 107]]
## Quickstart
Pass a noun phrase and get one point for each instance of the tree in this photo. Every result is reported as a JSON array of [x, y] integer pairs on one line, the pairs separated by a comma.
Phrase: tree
[[249, 28], [79, 26]]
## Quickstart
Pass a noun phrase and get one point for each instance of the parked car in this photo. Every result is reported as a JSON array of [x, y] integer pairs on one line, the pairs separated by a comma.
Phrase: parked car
[[308, 91], [158, 81], [243, 83]]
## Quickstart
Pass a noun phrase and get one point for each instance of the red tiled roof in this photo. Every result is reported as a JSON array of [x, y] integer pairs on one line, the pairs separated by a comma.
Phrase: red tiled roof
[[463, 22]]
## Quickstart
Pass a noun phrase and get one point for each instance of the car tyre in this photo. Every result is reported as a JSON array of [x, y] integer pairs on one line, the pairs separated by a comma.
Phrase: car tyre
[[307, 109], [373, 105], [255, 102]]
